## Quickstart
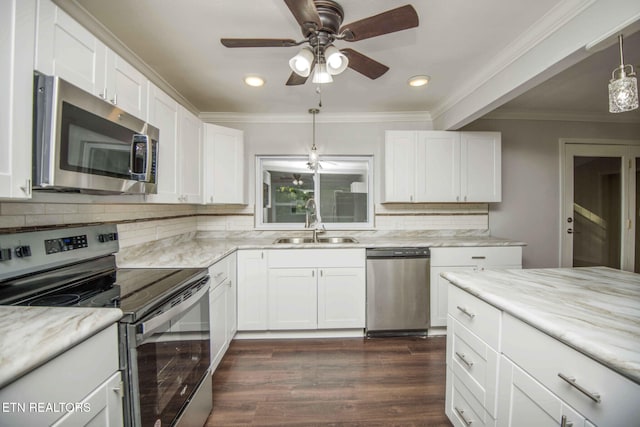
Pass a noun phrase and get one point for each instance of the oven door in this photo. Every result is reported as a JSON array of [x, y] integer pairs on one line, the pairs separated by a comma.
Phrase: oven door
[[168, 358]]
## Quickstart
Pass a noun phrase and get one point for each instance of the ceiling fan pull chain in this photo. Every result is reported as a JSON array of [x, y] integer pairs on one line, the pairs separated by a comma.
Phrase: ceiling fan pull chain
[[319, 92]]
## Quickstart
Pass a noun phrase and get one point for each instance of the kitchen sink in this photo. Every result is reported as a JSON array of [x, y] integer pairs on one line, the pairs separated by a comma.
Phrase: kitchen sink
[[297, 240], [301, 240], [337, 240]]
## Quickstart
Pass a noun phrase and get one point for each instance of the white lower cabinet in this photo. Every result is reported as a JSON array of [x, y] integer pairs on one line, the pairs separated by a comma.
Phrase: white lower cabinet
[[503, 372], [83, 386], [252, 290], [524, 402], [292, 298], [465, 259], [301, 289], [222, 307]]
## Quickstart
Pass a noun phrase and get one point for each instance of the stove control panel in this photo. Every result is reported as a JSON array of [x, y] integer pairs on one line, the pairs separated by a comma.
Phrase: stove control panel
[[63, 244]]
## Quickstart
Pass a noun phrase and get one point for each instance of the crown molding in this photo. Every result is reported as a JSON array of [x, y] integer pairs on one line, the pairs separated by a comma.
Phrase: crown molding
[[557, 17], [387, 117], [89, 22], [563, 116]]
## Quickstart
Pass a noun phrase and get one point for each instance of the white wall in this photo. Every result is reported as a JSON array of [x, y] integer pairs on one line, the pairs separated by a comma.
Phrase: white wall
[[530, 208]]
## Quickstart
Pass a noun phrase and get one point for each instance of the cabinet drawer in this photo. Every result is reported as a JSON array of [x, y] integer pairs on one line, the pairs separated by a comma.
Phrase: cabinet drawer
[[476, 315], [475, 364], [544, 358], [480, 255], [220, 271], [462, 408], [316, 258]]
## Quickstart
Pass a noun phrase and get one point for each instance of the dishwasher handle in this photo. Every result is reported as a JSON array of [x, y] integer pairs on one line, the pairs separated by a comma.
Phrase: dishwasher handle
[[403, 252]]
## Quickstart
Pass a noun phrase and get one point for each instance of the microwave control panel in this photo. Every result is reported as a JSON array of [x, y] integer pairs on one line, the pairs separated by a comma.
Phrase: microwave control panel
[[63, 244]]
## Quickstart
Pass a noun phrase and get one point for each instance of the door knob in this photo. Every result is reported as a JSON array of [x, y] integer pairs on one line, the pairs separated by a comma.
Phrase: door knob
[[570, 230]]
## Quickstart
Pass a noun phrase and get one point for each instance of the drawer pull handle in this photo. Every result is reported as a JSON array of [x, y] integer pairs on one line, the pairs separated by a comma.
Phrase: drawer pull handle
[[572, 381], [565, 423], [467, 312], [464, 359], [478, 257], [219, 274], [461, 414]]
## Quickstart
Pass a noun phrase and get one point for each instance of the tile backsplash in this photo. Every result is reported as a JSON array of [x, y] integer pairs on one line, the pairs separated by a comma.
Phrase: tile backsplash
[[144, 222]]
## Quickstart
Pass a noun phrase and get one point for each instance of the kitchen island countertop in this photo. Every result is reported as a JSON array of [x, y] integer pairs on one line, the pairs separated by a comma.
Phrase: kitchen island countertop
[[31, 336], [595, 310]]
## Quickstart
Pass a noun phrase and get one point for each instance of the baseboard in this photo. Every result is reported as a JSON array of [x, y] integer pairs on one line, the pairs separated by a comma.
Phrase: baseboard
[[320, 333]]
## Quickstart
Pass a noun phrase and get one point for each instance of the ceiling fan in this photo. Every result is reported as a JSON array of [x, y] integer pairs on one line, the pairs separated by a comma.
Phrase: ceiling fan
[[321, 25]]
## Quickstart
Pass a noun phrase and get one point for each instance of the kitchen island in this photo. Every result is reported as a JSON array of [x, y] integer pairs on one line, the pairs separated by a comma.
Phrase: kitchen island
[[568, 336]]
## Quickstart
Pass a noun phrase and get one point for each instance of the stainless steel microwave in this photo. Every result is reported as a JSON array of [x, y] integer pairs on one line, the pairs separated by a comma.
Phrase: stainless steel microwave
[[83, 143]]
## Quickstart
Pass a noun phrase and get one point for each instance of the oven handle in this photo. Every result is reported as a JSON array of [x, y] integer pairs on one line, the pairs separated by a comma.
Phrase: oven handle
[[146, 328]]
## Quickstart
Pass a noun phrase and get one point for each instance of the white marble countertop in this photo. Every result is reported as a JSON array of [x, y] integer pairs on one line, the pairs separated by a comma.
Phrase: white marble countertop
[[199, 251], [31, 336], [595, 310]]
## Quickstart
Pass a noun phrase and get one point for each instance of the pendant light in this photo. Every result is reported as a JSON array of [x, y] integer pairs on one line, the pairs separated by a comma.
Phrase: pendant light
[[313, 162], [623, 87]]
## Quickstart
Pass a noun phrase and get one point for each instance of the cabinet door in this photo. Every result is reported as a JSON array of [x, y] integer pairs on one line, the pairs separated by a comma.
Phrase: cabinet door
[[481, 167], [223, 165], [104, 407], [126, 86], [399, 166], [524, 402], [17, 26], [341, 298], [218, 324], [232, 299], [437, 167], [292, 298], [163, 114], [190, 149], [66, 49], [252, 290], [439, 286]]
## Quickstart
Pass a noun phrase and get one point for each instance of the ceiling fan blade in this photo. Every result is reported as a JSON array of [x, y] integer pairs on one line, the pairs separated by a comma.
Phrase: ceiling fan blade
[[393, 20], [364, 65], [258, 42], [295, 80], [305, 13]]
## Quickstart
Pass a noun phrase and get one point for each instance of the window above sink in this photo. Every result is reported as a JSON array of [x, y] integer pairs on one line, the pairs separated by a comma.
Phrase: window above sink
[[342, 189]]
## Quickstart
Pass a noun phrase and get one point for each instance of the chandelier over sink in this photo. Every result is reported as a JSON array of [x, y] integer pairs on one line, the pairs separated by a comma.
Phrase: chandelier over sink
[[623, 87]]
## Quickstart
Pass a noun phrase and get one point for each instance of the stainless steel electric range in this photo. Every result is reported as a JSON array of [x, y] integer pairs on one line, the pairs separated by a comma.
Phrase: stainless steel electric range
[[164, 334]]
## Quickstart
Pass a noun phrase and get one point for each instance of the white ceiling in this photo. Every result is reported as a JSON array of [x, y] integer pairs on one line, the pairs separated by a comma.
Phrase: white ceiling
[[456, 42]]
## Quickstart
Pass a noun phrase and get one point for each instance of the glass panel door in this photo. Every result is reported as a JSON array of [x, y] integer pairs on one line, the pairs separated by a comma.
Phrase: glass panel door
[[597, 211]]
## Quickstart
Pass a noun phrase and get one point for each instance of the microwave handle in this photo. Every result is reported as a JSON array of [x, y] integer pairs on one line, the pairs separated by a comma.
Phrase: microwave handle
[[145, 174]]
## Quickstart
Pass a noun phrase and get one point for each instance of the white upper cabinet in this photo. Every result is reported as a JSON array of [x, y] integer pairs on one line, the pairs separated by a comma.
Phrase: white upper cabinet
[[223, 165], [442, 166], [125, 86], [481, 165], [17, 29], [399, 162], [163, 114], [190, 155], [65, 48], [437, 167]]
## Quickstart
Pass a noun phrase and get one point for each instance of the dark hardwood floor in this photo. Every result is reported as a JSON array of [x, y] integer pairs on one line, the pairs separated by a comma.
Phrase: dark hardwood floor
[[345, 382]]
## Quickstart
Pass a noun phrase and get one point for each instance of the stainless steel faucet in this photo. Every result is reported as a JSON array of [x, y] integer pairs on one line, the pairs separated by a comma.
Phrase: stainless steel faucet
[[312, 211]]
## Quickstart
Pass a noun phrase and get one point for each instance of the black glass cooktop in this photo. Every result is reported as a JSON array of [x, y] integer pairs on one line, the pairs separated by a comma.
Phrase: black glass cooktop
[[100, 284]]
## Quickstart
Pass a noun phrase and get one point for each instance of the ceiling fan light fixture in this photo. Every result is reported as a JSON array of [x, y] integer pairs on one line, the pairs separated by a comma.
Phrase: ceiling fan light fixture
[[254, 81], [623, 87], [419, 81], [337, 62], [301, 63], [321, 74]]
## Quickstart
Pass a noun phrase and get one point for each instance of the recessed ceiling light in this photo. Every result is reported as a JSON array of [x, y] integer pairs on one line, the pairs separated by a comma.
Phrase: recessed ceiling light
[[254, 81], [417, 81]]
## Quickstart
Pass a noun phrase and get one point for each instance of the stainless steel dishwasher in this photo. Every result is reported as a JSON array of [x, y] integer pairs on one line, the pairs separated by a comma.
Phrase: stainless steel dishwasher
[[398, 291]]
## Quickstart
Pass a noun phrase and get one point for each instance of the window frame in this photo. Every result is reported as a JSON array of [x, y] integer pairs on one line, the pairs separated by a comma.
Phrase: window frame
[[259, 219]]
